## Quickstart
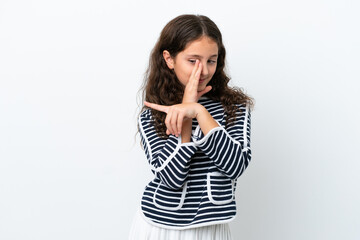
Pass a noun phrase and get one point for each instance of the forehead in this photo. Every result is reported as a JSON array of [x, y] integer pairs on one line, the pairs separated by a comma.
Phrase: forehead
[[203, 46]]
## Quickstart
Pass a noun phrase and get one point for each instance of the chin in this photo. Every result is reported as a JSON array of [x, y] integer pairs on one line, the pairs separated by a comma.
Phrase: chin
[[201, 88]]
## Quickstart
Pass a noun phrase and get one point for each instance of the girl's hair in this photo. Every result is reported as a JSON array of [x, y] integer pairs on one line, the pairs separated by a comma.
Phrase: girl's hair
[[161, 85]]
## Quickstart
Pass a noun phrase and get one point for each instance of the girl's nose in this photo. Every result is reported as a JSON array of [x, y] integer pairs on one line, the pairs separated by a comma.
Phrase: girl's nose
[[205, 70]]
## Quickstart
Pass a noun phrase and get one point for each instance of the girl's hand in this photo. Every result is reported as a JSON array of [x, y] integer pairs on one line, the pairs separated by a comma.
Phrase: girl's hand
[[191, 93], [176, 114]]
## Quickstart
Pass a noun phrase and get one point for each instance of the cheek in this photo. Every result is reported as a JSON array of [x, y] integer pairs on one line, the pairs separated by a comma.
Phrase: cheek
[[186, 72], [213, 70], [183, 73]]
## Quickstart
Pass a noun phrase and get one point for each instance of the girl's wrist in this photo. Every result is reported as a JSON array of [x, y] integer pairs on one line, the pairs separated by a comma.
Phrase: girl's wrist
[[188, 100], [205, 120], [200, 110]]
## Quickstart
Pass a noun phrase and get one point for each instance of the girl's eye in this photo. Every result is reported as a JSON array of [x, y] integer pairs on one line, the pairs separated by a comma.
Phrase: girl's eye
[[193, 61]]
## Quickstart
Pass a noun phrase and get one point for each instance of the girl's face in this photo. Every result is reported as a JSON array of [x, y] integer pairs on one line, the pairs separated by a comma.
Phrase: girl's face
[[205, 50]]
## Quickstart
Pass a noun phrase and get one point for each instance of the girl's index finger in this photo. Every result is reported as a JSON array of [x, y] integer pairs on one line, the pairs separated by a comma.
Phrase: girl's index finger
[[158, 107], [198, 72], [195, 69], [195, 74]]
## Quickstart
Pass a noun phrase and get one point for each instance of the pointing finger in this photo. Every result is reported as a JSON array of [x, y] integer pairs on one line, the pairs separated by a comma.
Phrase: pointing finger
[[158, 107]]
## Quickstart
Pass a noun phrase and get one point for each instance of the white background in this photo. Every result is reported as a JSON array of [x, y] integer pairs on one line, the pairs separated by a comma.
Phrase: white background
[[71, 167]]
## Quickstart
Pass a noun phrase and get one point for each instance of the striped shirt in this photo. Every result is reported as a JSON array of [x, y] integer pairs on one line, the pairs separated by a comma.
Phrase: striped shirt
[[194, 183]]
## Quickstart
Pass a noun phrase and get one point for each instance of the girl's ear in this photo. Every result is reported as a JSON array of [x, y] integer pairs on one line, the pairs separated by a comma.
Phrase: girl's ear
[[168, 59]]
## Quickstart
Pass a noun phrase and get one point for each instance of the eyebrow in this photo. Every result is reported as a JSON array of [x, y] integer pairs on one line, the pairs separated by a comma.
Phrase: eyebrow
[[198, 56]]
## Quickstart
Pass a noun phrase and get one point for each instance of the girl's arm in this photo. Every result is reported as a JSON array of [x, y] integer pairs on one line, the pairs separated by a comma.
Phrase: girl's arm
[[177, 115], [191, 95], [169, 158], [186, 131], [229, 147]]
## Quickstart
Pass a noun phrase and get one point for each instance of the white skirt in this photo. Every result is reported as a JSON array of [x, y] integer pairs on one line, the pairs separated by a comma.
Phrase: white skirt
[[141, 230]]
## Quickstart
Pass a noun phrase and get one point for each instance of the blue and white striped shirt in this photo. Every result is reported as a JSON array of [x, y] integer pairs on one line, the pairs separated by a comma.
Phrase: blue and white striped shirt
[[194, 183]]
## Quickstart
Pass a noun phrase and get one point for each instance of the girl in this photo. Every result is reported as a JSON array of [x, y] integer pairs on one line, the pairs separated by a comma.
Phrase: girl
[[195, 131]]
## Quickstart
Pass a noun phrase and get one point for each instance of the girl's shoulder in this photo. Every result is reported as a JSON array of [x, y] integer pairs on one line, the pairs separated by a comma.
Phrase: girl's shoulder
[[206, 101], [145, 114]]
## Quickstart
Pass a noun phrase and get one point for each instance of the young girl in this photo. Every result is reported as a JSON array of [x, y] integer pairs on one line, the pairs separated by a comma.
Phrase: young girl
[[195, 131]]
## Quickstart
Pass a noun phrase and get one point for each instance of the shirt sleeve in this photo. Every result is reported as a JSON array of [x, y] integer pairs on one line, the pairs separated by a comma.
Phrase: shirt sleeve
[[169, 158], [229, 148]]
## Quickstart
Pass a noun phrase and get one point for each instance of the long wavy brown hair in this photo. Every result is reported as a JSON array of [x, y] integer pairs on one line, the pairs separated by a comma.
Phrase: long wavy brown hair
[[161, 85]]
